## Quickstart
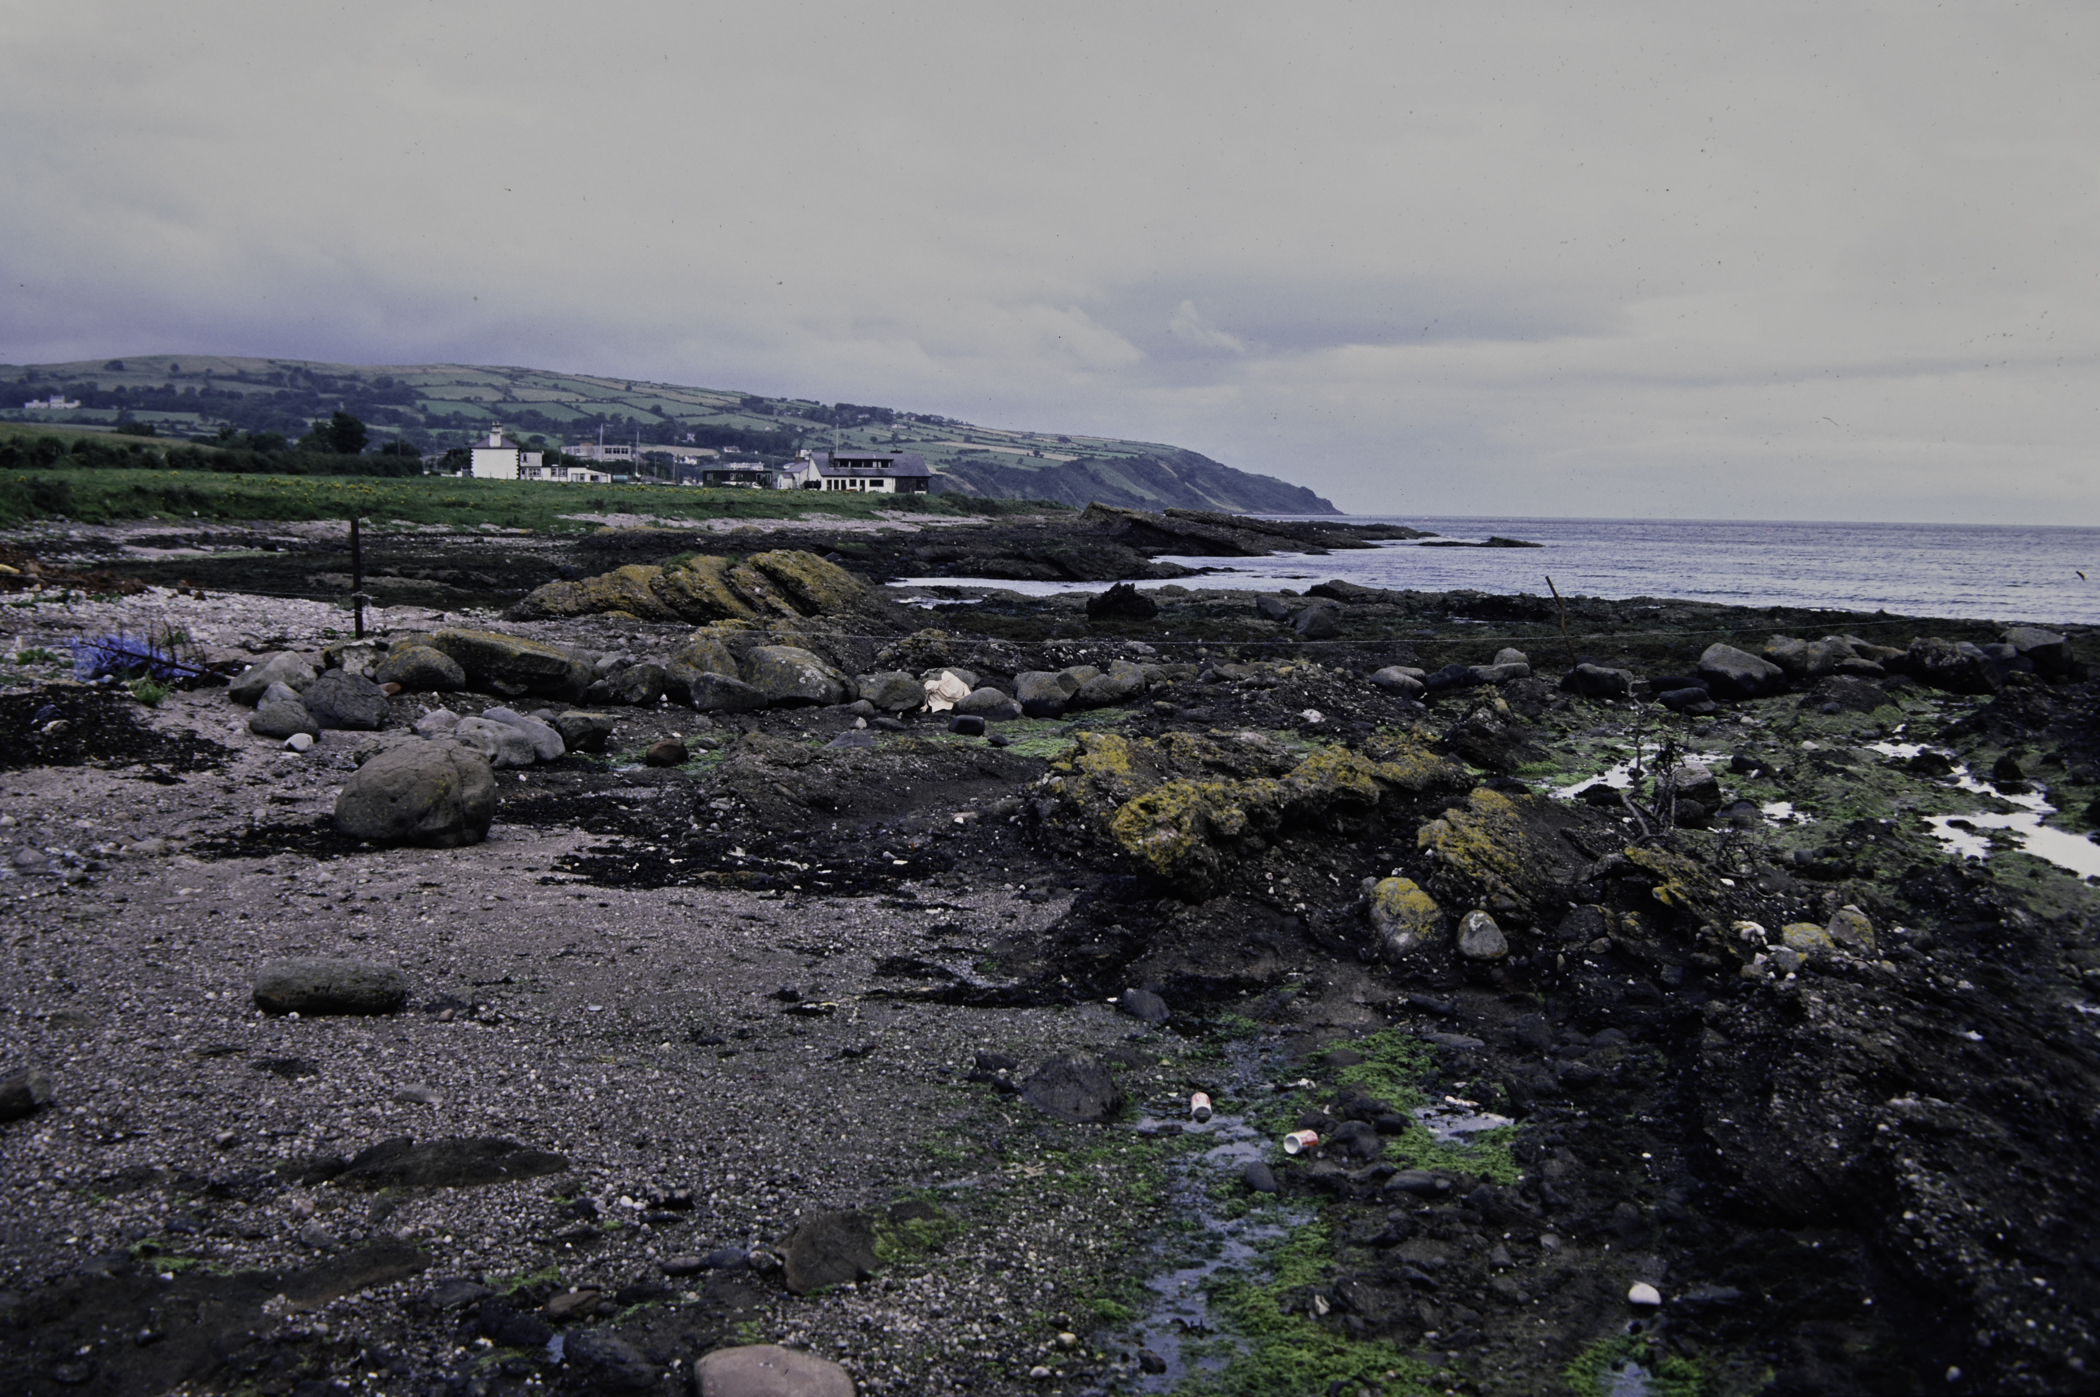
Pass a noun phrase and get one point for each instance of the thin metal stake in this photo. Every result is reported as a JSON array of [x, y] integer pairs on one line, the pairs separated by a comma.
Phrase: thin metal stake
[[357, 577], [1564, 636]]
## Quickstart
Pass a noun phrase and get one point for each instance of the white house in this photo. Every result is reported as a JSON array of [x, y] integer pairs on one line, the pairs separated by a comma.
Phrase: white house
[[52, 404], [882, 472], [500, 458]]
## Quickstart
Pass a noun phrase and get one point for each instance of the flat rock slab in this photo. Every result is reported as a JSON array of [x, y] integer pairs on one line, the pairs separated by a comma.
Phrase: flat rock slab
[[1073, 1087], [452, 1163], [767, 1370], [829, 1249], [381, 1263], [312, 985]]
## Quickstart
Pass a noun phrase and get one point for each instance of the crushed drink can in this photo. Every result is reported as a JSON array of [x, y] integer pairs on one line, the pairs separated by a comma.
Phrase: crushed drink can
[[1199, 1107], [1299, 1141]]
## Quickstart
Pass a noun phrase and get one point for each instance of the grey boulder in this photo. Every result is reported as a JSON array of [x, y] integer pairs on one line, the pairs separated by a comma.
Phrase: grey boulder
[[1124, 680], [1043, 694], [547, 742], [313, 985], [437, 794], [503, 746], [1315, 623], [282, 667], [636, 685], [346, 701], [768, 1370], [584, 732], [1737, 674], [439, 722], [990, 704], [421, 668], [790, 675], [1599, 681], [1400, 679], [893, 691], [2049, 652], [718, 693], [281, 720], [1955, 667]]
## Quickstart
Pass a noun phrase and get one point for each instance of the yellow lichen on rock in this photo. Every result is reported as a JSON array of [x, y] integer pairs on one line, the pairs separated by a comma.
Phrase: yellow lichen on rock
[[700, 591], [1679, 882], [1173, 829], [1404, 916], [1807, 938], [816, 586], [761, 593], [1485, 841]]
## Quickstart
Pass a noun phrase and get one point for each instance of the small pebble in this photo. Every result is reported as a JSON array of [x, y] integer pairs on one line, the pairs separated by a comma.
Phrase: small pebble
[[1642, 1293], [299, 742]]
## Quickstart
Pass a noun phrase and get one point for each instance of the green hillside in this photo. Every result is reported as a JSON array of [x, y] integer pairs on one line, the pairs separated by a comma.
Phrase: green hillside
[[436, 406]]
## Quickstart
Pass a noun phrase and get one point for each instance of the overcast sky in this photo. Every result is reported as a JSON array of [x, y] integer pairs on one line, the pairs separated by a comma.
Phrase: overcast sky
[[1816, 262]]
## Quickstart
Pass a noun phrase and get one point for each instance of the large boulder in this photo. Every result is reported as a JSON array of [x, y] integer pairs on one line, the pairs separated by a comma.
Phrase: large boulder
[[705, 652], [1073, 1087], [510, 666], [282, 719], [346, 701], [993, 705], [1404, 680], [500, 744], [893, 691], [1736, 674], [1316, 622], [768, 1370], [312, 985], [420, 668], [815, 586], [1124, 680], [722, 693], [1598, 681], [1043, 694], [547, 741], [1957, 667], [282, 667], [637, 685], [584, 732], [790, 675], [2049, 652], [438, 794], [1479, 938]]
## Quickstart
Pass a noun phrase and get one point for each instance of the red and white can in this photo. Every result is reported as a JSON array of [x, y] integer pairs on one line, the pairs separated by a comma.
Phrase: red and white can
[[1199, 1107], [1299, 1141]]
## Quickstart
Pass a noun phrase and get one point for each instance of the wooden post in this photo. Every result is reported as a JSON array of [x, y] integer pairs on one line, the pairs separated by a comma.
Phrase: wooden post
[[1566, 639], [357, 578]]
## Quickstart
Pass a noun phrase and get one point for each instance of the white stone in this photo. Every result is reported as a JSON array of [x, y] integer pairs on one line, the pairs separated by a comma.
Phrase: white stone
[[299, 742], [1642, 1293]]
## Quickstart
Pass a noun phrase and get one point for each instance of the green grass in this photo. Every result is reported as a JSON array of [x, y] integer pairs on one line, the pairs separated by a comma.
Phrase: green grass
[[149, 691], [1285, 1353], [100, 496], [1669, 1376]]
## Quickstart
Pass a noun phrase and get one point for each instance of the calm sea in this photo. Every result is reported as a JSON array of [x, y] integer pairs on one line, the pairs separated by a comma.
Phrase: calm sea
[[2001, 573]]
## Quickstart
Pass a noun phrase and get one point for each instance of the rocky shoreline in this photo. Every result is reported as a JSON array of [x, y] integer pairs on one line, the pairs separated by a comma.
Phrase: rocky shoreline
[[801, 963]]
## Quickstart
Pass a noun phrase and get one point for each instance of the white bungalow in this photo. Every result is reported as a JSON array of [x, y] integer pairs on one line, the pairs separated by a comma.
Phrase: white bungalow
[[500, 458]]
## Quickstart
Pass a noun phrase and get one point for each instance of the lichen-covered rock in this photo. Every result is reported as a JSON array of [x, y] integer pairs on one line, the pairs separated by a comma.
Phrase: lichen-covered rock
[[1499, 845], [1183, 829], [815, 586], [700, 591], [1850, 928], [1404, 917], [630, 589], [437, 794], [421, 668], [789, 675], [1043, 694], [510, 665]]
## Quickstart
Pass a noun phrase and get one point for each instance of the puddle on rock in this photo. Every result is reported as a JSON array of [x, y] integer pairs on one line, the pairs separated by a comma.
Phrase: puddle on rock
[[1959, 835]]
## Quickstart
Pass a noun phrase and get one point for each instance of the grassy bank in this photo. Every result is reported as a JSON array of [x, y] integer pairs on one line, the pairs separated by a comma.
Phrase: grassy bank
[[111, 495]]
